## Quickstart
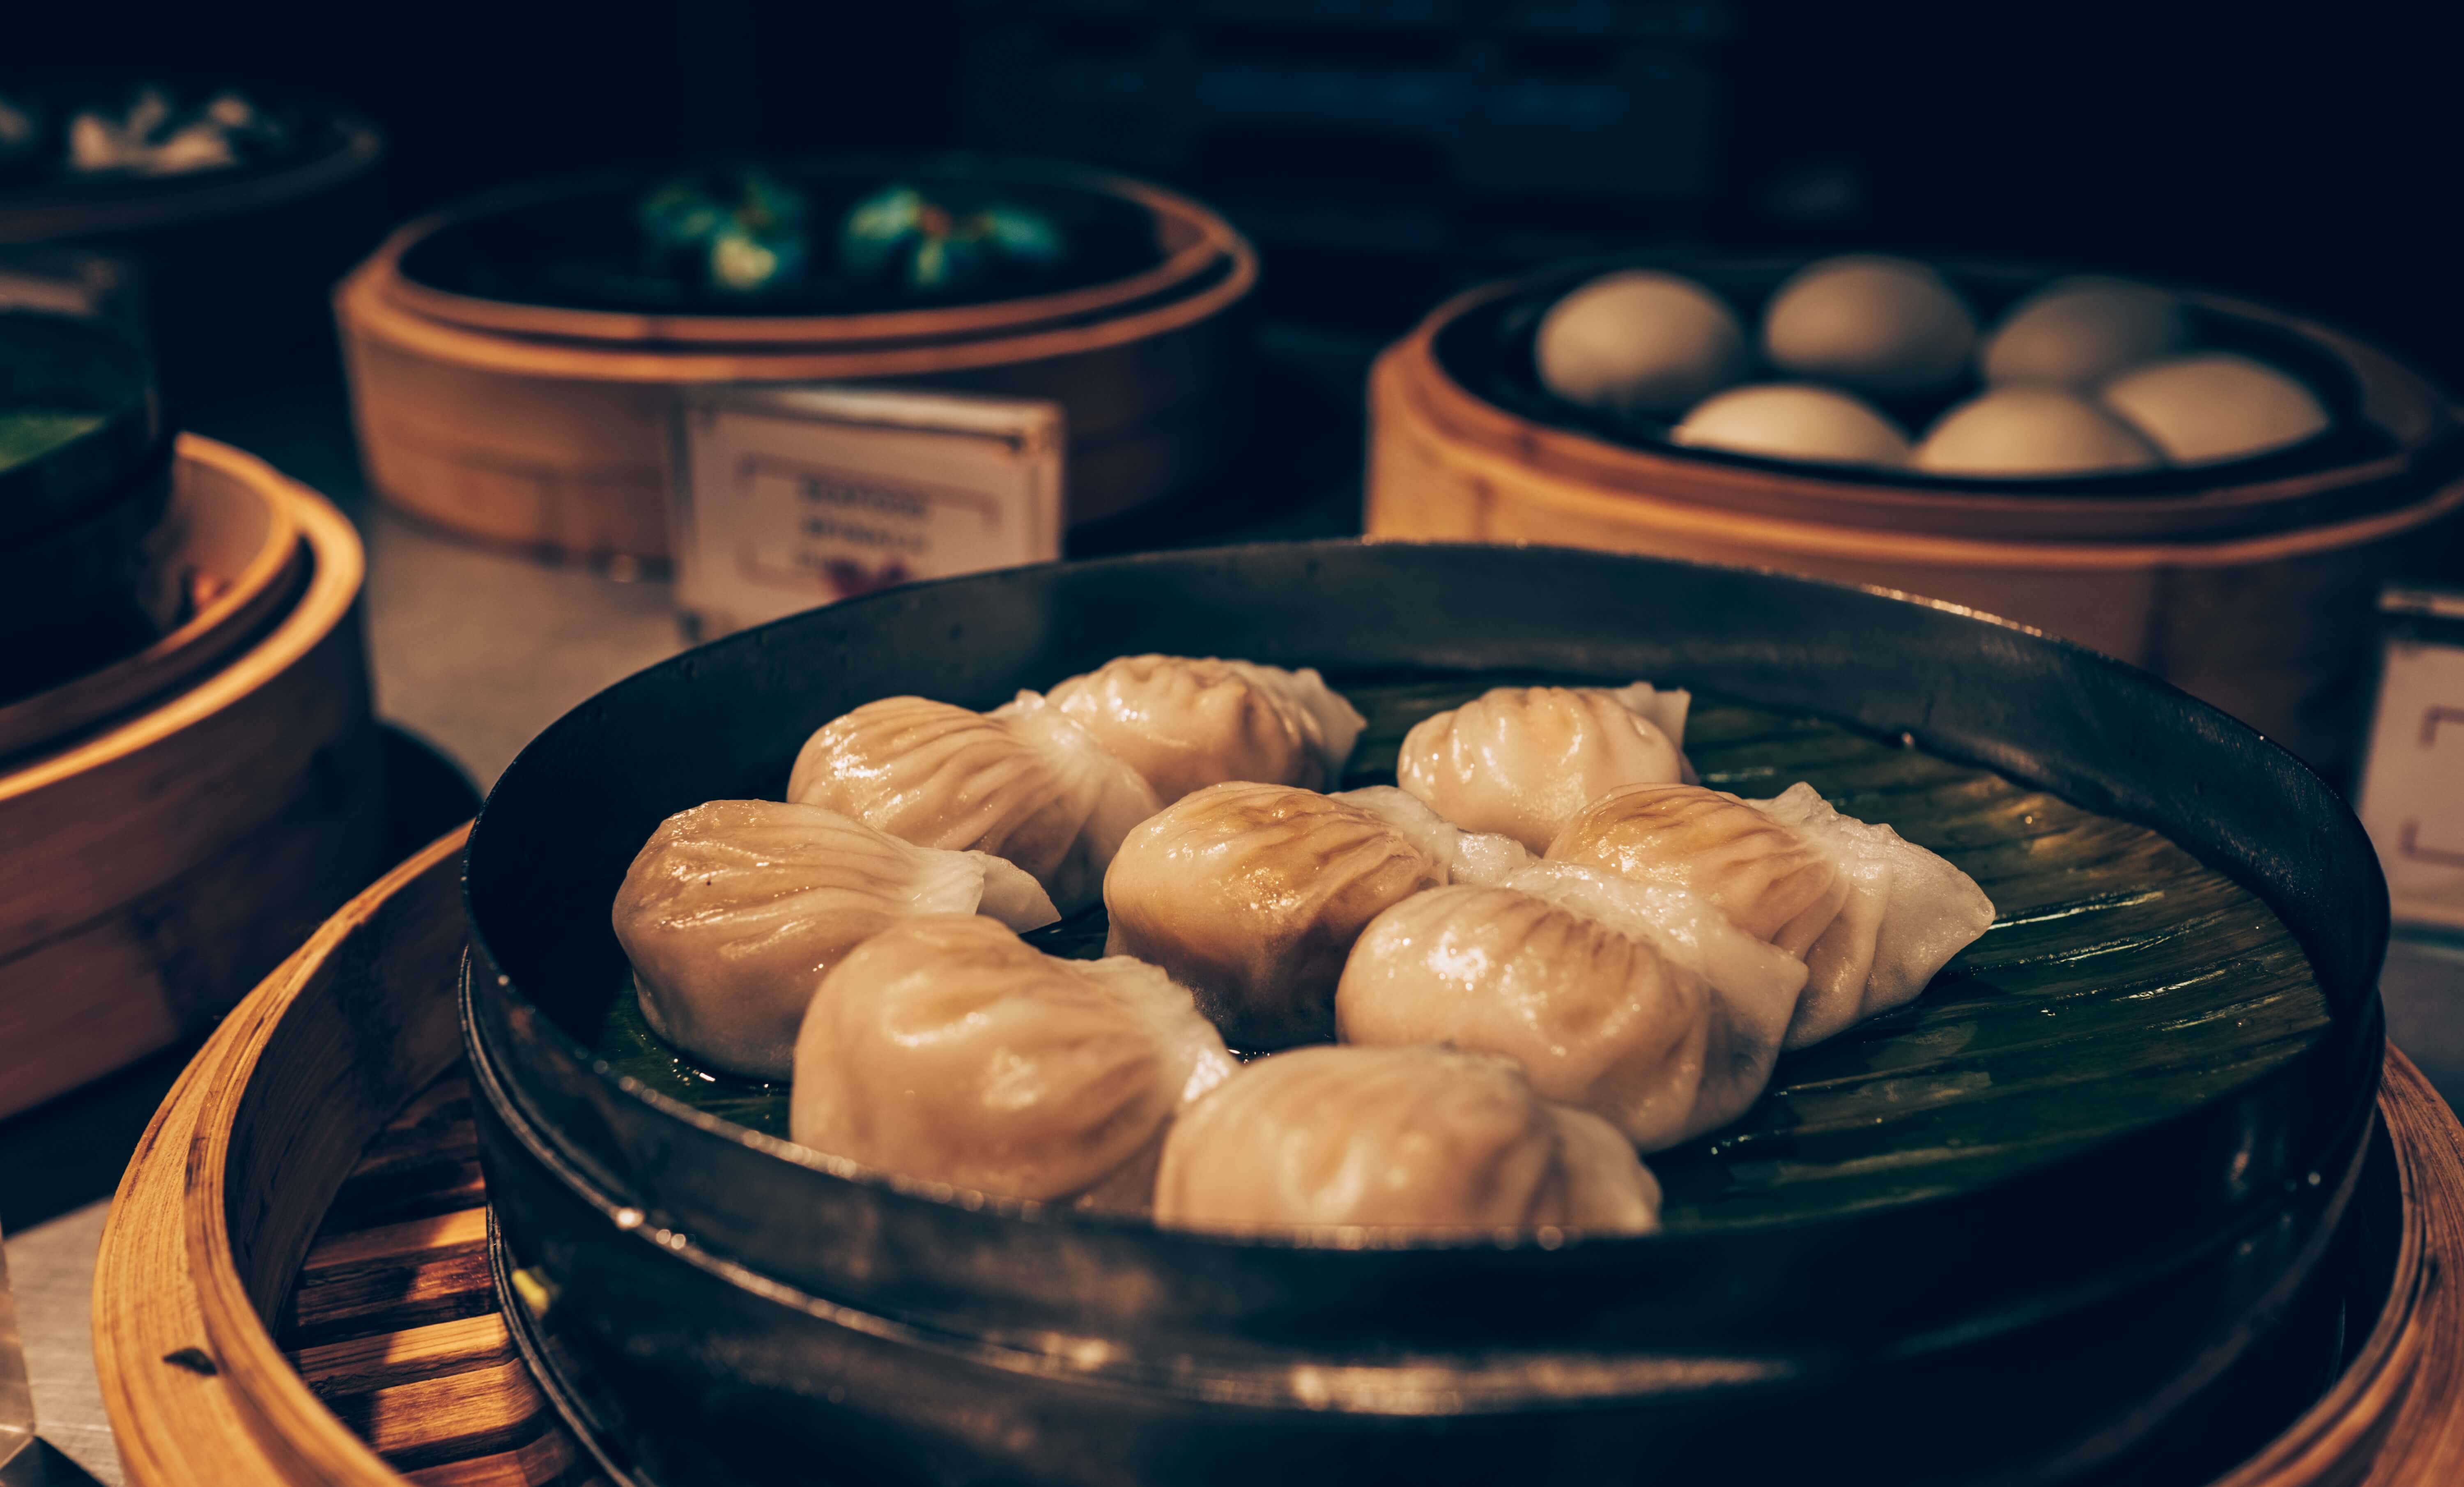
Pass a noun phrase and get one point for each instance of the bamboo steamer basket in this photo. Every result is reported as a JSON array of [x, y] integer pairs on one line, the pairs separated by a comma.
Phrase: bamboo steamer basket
[[549, 428], [236, 551], [234, 260], [154, 869], [306, 1085], [2255, 595]]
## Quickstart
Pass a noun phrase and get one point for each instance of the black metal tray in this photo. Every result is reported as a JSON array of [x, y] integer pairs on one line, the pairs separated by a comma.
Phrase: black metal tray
[[2033, 1330]]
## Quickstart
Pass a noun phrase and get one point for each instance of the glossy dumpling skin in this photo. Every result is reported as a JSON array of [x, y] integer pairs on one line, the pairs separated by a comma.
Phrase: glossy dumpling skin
[[1521, 760], [734, 910], [1643, 1004], [1252, 895], [948, 1050], [1416, 1137], [1873, 916], [1907, 913], [1187, 722], [1025, 784], [1774, 884]]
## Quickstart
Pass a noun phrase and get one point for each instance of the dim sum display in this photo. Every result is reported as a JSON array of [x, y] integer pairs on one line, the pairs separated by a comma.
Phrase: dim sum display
[[1520, 761], [1024, 784], [1417, 1137], [946, 1050], [734, 912], [1252, 894], [1543, 950], [1188, 722], [1877, 362]]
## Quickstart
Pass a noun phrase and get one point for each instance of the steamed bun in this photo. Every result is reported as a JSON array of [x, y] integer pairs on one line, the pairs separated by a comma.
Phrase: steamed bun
[[1417, 1137], [1794, 421], [1639, 341], [1878, 325], [2076, 332], [2215, 405], [2028, 430]]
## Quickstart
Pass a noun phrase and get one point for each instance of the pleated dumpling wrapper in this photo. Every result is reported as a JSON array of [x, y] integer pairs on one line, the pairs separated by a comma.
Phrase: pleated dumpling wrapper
[[1641, 1003], [1521, 760], [1024, 784], [1252, 894], [1874, 917], [1187, 722], [1417, 1138], [734, 910], [948, 1050]]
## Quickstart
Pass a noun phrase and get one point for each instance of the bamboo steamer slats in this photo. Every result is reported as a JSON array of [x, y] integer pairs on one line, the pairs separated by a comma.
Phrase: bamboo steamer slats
[[549, 430], [2260, 598], [325, 1128], [154, 869]]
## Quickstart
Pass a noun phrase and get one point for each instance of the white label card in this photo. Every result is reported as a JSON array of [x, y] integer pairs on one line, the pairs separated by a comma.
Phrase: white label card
[[2412, 791], [789, 497]]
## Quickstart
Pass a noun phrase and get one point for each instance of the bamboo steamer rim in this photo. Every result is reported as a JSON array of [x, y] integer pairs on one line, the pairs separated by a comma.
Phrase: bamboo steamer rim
[[32, 218], [1194, 239], [167, 1279], [365, 306], [1614, 509], [259, 587], [337, 564], [1986, 511]]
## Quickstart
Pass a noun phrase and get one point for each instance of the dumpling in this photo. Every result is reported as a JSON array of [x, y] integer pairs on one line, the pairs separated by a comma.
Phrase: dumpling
[[1025, 784], [733, 911], [1421, 1137], [1873, 915], [1252, 894], [1641, 1003], [1520, 760], [948, 1050], [1187, 722], [1777, 887], [1907, 913]]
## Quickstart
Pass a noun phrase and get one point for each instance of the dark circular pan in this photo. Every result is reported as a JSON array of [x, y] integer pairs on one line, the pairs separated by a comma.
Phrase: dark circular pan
[[2055, 1317], [574, 245], [725, 719], [1488, 350]]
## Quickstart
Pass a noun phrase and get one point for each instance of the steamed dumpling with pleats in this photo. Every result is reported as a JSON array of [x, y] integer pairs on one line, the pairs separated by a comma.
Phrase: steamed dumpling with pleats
[[948, 1050], [1024, 784], [1252, 895], [1419, 1137], [1187, 722], [1874, 917], [1777, 887], [1521, 760], [1641, 1003], [1907, 913], [732, 912]]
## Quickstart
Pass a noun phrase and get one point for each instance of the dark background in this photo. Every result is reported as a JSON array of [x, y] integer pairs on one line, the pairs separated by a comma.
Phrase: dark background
[[2304, 155]]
